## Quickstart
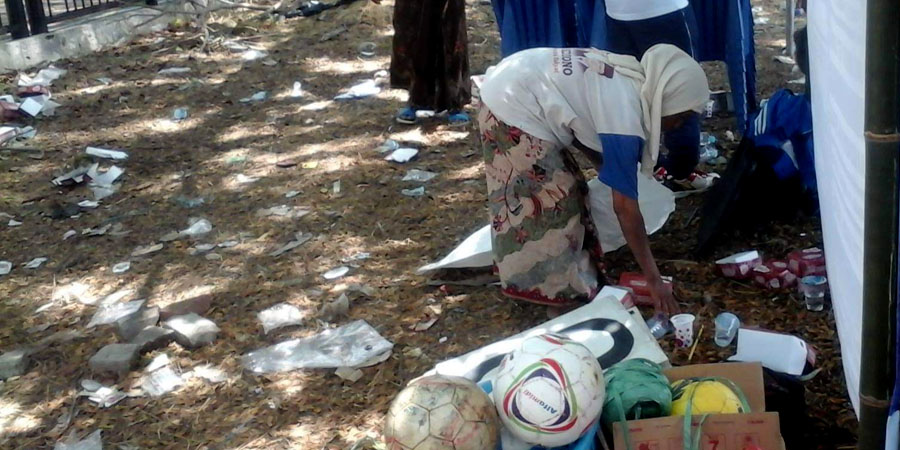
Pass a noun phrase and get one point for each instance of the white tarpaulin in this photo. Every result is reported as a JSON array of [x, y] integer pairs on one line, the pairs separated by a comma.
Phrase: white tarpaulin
[[837, 49]]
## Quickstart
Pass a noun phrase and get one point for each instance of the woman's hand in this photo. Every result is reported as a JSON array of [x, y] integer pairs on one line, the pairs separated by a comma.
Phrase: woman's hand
[[663, 299]]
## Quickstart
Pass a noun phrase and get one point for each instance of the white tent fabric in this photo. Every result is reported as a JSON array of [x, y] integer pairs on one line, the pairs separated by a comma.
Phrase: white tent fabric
[[837, 41]]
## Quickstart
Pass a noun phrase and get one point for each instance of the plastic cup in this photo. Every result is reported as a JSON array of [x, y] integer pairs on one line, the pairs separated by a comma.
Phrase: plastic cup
[[658, 326], [727, 325], [813, 288], [684, 329]]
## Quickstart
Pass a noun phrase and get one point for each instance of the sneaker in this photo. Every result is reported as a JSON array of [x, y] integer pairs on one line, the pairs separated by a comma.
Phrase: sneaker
[[458, 119], [661, 175], [697, 181], [406, 116]]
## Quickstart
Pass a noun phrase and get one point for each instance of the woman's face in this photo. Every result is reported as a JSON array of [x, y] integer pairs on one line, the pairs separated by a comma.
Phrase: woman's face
[[675, 121]]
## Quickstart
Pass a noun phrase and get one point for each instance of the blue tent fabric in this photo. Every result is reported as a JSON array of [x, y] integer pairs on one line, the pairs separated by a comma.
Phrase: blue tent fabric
[[535, 23], [726, 34]]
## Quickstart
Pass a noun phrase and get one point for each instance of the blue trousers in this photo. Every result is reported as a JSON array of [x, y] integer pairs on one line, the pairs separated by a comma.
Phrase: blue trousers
[[635, 37]]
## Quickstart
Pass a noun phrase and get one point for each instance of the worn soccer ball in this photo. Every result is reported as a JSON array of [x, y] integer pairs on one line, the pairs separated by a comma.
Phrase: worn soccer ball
[[549, 391], [442, 413]]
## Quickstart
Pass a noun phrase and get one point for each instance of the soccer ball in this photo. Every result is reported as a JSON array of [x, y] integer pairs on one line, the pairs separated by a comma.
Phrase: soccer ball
[[549, 391], [442, 413]]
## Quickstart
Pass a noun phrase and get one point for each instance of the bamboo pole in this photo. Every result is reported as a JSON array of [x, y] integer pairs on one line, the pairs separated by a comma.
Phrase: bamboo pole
[[881, 219]]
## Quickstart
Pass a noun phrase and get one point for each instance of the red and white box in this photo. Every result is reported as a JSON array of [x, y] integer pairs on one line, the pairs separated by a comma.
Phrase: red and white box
[[636, 283], [740, 265], [807, 262], [774, 275]]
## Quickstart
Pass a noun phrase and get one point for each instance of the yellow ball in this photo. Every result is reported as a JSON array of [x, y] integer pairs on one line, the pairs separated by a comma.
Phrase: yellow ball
[[711, 397]]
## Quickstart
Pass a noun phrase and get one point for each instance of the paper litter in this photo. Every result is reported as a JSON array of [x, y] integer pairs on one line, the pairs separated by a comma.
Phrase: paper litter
[[364, 89], [355, 344], [418, 175], [279, 316], [35, 263], [106, 154], [402, 155], [336, 273]]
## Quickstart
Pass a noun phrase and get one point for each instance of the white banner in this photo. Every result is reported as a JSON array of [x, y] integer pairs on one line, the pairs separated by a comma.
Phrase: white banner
[[837, 41]]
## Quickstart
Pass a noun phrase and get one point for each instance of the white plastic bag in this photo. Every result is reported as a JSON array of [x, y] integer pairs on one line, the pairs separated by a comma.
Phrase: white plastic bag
[[655, 200]]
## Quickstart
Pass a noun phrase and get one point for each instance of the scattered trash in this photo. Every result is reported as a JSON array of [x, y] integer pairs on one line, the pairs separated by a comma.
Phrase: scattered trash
[[99, 231], [280, 316], [201, 248], [102, 183], [213, 257], [708, 150], [810, 261], [474, 251], [14, 363], [121, 267], [253, 55], [228, 244], [348, 373], [44, 77], [417, 192], [355, 344], [189, 202], [365, 89], [659, 325], [299, 239], [69, 234], [297, 90], [801, 80], [257, 97], [730, 136], [286, 163], [367, 49], [289, 212], [74, 176], [637, 285], [13, 223], [774, 275], [91, 442], [116, 358], [179, 114], [5, 267], [432, 313], [244, 179], [739, 266], [336, 273], [388, 146], [106, 154], [727, 325], [402, 155], [336, 188], [161, 380], [269, 62], [105, 81], [684, 329], [291, 194], [103, 396], [110, 313], [174, 70], [813, 288], [360, 256], [784, 59], [779, 352], [146, 249], [337, 308], [35, 263], [442, 340], [208, 372], [421, 176], [198, 227]]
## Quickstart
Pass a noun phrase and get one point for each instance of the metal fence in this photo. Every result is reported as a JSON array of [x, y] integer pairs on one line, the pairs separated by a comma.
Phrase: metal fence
[[24, 18]]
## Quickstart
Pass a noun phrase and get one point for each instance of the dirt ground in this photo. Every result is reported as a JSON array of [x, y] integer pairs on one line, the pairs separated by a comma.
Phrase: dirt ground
[[222, 138]]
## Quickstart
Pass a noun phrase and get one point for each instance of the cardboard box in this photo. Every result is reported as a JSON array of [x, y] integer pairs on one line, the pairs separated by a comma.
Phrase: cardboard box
[[755, 430]]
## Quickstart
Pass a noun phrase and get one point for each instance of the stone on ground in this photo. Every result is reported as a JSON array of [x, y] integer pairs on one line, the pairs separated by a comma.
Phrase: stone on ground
[[153, 338], [119, 358], [196, 305], [129, 327], [13, 364], [192, 330]]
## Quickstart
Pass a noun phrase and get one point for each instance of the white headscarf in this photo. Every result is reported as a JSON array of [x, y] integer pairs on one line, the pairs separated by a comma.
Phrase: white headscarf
[[670, 81]]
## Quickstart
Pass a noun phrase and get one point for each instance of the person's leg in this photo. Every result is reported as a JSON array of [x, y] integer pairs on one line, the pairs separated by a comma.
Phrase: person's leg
[[425, 54], [541, 243], [453, 82], [619, 38], [683, 147], [678, 28]]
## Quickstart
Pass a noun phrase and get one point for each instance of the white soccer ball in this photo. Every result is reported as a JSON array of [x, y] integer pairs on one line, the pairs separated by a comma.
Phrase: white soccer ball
[[442, 413], [550, 391]]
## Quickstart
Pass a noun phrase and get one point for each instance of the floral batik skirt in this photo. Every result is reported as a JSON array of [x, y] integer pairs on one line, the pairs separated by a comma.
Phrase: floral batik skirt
[[544, 245]]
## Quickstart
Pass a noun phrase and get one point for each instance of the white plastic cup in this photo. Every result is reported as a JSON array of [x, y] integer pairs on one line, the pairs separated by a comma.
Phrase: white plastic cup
[[684, 329], [727, 325]]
